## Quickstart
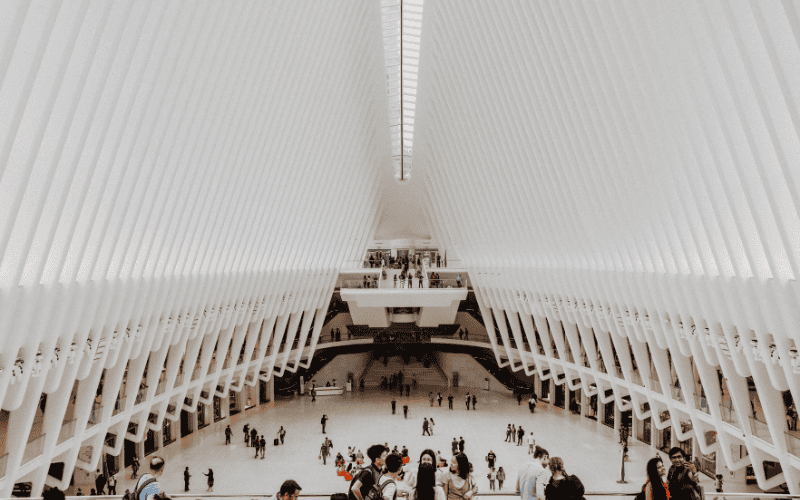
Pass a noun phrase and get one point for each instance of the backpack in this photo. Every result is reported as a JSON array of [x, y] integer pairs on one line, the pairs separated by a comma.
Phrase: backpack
[[141, 485], [376, 492]]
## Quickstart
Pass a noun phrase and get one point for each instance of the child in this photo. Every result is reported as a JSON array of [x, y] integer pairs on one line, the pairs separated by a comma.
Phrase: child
[[492, 477]]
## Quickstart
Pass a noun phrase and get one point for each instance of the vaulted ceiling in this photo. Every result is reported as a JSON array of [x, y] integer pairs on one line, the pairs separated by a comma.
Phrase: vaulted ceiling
[[626, 167]]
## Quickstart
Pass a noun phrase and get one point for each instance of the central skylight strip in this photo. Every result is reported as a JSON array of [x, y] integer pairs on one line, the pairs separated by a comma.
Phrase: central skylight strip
[[402, 24]]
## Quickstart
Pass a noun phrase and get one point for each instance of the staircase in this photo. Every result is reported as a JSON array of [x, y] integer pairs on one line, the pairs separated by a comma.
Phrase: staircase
[[426, 377]]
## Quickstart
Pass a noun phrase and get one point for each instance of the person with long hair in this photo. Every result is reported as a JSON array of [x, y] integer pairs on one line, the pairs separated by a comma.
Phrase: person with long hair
[[655, 488], [458, 483], [409, 484], [562, 486]]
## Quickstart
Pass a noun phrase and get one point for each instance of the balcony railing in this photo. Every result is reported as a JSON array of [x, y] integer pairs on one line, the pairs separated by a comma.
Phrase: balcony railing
[[760, 429], [361, 264], [119, 405], [793, 443], [677, 394], [141, 394], [94, 416], [33, 449], [67, 431], [701, 403], [655, 385], [728, 414]]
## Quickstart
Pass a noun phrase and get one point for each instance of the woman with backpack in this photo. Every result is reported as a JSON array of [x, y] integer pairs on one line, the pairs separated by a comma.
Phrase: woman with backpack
[[458, 483], [562, 486], [654, 488]]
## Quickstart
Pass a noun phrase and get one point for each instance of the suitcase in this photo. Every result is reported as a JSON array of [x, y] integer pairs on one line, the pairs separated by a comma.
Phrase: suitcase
[[276, 442]]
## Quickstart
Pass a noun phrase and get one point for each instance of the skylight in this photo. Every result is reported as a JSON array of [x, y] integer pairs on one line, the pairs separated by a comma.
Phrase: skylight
[[402, 22]]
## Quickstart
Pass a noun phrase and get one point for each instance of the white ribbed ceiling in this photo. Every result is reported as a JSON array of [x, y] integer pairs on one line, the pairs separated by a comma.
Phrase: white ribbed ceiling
[[168, 162]]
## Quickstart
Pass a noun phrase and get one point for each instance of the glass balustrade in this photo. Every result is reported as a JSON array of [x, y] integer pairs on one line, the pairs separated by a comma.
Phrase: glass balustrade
[[67, 431], [33, 449], [728, 414]]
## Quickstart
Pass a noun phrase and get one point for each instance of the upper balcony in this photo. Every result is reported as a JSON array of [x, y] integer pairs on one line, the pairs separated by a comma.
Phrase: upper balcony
[[371, 287]]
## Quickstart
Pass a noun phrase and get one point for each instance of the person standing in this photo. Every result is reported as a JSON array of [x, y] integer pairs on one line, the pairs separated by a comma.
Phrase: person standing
[[313, 394], [281, 434], [148, 486], [461, 444], [520, 435], [256, 445], [389, 481], [474, 401], [468, 400], [531, 443], [405, 411], [263, 445], [186, 477], [439, 399], [682, 477], [432, 424], [655, 488], [501, 477], [454, 445], [490, 459], [534, 476], [561, 484], [246, 430], [492, 476], [430, 396], [100, 483], [324, 421], [289, 490], [253, 437], [508, 433], [458, 483], [210, 476], [112, 485], [228, 434], [135, 466], [450, 401], [369, 476], [408, 390], [425, 427], [394, 406]]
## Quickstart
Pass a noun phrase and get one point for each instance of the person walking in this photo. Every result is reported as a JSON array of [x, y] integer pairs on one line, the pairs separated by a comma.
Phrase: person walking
[[501, 477], [313, 394], [281, 434], [323, 452], [394, 406], [263, 445], [461, 444], [253, 437], [100, 483], [474, 401], [491, 458], [430, 396], [246, 430], [425, 427], [324, 421], [439, 399], [520, 435], [454, 445], [256, 445], [533, 476], [508, 433], [450, 401], [432, 424], [228, 434], [468, 400], [531, 443], [492, 476], [210, 476], [186, 477]]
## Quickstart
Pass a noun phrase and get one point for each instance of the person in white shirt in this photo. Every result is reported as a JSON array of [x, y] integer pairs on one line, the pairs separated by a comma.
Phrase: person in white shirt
[[388, 482], [531, 443], [533, 476]]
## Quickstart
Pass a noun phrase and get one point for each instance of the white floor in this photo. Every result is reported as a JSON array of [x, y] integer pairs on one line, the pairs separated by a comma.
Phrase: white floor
[[363, 419]]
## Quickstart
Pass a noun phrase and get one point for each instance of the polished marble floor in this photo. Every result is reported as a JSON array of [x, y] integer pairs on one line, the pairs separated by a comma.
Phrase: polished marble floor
[[363, 419]]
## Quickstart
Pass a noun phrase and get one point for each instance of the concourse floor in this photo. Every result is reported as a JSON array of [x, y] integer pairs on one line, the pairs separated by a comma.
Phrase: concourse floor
[[364, 418]]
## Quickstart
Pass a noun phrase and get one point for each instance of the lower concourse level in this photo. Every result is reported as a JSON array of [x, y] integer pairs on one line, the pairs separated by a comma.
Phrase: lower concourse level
[[359, 419]]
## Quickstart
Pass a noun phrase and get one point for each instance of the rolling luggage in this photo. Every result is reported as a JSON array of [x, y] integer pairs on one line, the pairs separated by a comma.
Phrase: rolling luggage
[[276, 442]]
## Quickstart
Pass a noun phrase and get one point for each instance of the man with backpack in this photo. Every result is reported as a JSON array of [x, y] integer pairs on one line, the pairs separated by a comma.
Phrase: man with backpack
[[364, 485], [148, 487], [388, 482]]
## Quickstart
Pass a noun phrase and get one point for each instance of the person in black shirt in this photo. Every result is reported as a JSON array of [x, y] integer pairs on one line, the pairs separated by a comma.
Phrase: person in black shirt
[[682, 477], [394, 406], [450, 401], [369, 476]]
